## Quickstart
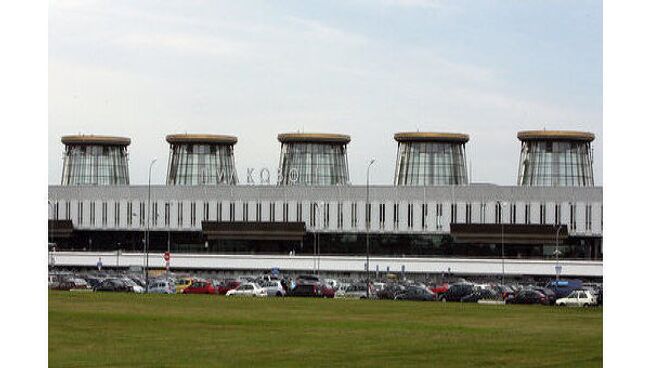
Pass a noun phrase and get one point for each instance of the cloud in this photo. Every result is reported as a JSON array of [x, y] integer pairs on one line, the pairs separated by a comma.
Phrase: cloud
[[433, 4], [147, 69], [184, 43], [320, 31]]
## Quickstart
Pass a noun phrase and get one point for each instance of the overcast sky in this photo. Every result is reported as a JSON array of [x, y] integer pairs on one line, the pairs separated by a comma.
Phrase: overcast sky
[[145, 69]]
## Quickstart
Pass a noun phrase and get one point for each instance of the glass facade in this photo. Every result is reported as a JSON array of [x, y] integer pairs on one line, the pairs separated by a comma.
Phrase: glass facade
[[95, 165], [334, 244], [313, 163], [430, 163], [201, 164], [555, 163]]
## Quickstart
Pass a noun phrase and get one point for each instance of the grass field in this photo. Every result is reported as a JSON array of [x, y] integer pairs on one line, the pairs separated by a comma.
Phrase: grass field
[[127, 330]]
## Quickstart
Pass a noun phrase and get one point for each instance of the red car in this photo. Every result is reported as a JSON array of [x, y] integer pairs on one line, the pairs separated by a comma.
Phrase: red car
[[200, 287], [313, 289], [224, 287], [439, 289]]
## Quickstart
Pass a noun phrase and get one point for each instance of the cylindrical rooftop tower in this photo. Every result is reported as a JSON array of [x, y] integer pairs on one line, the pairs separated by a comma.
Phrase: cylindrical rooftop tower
[[201, 159], [313, 159], [95, 160], [431, 159], [556, 158]]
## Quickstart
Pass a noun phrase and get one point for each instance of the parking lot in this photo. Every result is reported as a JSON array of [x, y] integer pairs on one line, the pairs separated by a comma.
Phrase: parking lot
[[563, 292]]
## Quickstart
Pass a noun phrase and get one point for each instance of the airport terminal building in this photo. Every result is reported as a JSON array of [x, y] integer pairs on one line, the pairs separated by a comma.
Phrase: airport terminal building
[[430, 212]]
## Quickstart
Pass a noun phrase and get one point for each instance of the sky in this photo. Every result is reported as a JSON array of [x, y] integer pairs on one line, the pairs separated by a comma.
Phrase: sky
[[368, 68]]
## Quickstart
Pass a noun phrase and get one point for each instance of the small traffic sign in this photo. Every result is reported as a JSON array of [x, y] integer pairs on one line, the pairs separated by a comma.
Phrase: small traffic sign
[[167, 256]]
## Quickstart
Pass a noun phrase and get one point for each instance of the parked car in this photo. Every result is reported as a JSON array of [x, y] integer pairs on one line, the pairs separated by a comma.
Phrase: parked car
[[227, 285], [77, 284], [136, 288], [578, 298], [113, 284], [52, 281], [456, 292], [563, 288], [312, 289], [274, 288], [481, 294], [439, 289], [182, 283], [415, 292], [355, 291], [379, 286], [162, 287], [505, 291], [249, 289], [61, 284], [390, 291], [332, 283], [528, 296], [200, 287], [550, 294], [137, 280], [93, 281]]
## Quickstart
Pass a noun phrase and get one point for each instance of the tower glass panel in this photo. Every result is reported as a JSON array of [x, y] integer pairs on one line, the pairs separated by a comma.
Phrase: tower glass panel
[[201, 160], [95, 160], [556, 159], [313, 159], [431, 159]]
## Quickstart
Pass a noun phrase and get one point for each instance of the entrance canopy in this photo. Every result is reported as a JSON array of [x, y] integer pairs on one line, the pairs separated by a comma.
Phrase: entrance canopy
[[248, 230], [512, 233], [59, 228]]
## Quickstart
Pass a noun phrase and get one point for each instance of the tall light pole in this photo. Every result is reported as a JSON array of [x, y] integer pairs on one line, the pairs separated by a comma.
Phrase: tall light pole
[[316, 240], [557, 253], [372, 161], [503, 256], [49, 235], [146, 247]]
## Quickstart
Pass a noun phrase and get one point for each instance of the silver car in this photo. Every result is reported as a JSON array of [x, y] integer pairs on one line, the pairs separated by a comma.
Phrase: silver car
[[162, 287], [274, 288], [354, 291]]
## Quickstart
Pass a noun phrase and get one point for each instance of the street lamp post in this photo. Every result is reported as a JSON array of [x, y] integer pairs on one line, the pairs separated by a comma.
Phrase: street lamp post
[[49, 235], [503, 257], [372, 161], [169, 240], [316, 244], [557, 253], [146, 248], [320, 218]]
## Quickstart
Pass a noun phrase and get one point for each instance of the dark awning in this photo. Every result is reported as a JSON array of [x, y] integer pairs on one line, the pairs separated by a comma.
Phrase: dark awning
[[59, 228], [245, 230], [512, 233]]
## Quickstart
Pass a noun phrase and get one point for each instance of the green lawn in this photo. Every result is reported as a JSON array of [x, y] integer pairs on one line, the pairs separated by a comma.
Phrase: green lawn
[[127, 330]]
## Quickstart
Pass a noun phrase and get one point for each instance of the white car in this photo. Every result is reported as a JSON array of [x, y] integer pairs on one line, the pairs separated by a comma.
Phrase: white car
[[162, 287], [353, 291], [578, 298], [332, 283], [136, 288], [247, 289], [273, 288]]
